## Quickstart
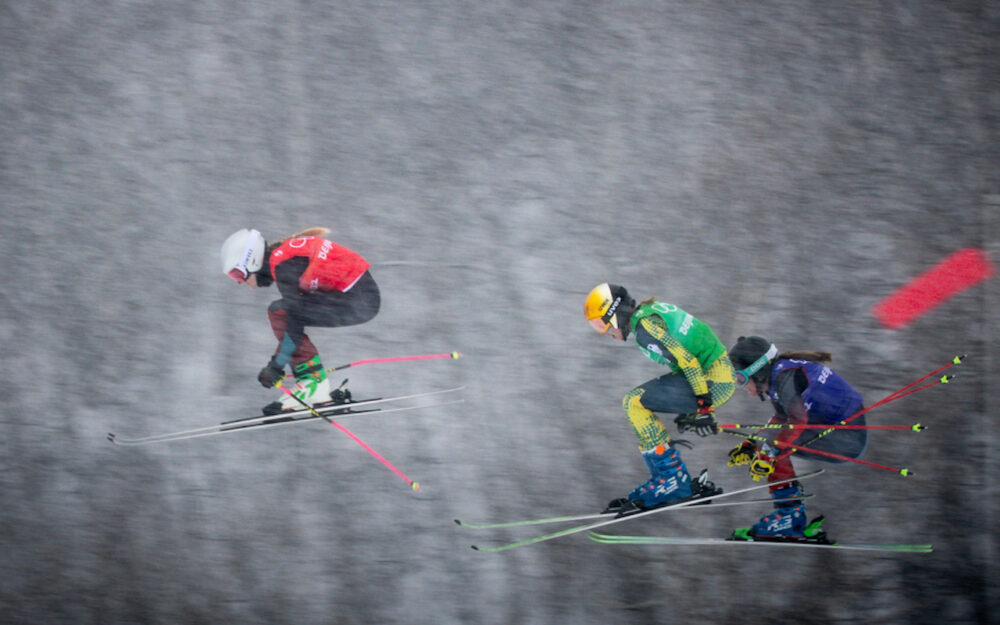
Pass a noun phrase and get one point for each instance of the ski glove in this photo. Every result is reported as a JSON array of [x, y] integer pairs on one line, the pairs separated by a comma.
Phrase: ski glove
[[762, 466], [271, 374], [742, 454], [701, 424], [705, 403]]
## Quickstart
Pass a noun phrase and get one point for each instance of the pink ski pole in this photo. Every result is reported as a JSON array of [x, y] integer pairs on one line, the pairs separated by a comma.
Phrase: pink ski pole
[[371, 361], [414, 485]]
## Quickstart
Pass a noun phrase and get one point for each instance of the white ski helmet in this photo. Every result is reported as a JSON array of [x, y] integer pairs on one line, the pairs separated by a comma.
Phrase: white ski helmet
[[242, 254]]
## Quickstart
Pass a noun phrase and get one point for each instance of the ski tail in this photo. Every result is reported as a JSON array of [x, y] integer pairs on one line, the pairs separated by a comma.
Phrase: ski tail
[[617, 539]]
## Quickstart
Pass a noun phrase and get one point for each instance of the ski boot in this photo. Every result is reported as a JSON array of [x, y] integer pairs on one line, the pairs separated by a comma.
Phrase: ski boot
[[311, 386], [812, 533], [669, 483], [787, 522]]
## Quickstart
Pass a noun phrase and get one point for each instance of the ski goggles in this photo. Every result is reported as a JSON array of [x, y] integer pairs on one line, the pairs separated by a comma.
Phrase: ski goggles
[[607, 321], [600, 325], [743, 375], [240, 275]]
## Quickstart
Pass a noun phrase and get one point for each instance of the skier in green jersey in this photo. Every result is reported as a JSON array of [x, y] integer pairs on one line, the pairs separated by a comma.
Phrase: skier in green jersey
[[700, 379]]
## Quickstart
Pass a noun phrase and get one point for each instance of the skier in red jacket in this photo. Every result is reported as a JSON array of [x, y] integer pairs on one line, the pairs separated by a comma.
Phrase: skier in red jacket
[[322, 284]]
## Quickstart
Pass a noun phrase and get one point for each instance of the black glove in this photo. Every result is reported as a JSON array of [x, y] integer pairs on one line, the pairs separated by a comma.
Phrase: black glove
[[271, 374], [705, 403], [701, 424]]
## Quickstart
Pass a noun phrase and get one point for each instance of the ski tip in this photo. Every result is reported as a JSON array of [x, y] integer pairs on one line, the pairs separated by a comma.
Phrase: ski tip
[[474, 547], [907, 548], [111, 436]]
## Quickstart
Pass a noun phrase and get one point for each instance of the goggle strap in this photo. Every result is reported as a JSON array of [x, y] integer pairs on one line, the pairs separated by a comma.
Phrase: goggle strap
[[254, 237], [609, 316], [756, 366]]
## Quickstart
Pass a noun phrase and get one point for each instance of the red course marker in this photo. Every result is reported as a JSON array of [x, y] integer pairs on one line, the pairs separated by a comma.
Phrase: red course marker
[[944, 280]]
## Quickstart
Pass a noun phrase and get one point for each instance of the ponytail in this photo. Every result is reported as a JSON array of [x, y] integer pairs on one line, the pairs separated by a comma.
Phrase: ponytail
[[308, 232], [820, 357]]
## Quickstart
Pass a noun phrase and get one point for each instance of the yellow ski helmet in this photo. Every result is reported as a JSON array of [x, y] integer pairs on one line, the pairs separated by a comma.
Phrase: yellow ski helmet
[[604, 304]]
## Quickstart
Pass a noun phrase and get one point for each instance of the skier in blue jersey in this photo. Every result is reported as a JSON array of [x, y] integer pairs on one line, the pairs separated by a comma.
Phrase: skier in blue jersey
[[803, 390]]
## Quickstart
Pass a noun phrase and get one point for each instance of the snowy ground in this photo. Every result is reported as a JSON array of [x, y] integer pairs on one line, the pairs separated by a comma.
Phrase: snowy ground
[[774, 168]]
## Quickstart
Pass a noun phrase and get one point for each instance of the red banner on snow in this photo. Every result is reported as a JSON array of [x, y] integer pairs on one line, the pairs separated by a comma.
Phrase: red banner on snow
[[944, 280]]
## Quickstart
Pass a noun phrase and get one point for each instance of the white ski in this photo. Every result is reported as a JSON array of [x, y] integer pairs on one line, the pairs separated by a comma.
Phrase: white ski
[[328, 410]]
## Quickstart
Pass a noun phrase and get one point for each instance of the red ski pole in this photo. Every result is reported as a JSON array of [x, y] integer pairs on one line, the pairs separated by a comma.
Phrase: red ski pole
[[903, 472], [957, 360], [903, 392], [794, 448], [898, 395]]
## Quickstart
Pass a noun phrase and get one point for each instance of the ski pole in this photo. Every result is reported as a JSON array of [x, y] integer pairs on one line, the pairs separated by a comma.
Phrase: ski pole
[[903, 392], [793, 448], [898, 394], [414, 485], [372, 361], [916, 427], [904, 472], [957, 360]]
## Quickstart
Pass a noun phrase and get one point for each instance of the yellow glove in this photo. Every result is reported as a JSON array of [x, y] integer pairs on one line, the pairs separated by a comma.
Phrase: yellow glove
[[742, 454], [762, 466]]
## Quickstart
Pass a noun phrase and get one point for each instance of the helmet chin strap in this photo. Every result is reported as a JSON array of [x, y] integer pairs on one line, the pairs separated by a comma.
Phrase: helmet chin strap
[[624, 322]]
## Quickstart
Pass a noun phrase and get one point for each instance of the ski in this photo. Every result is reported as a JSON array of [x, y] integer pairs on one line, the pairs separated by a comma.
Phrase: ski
[[328, 410], [636, 513], [608, 515], [612, 539]]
